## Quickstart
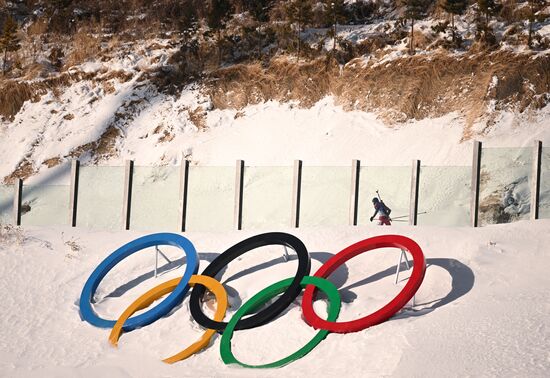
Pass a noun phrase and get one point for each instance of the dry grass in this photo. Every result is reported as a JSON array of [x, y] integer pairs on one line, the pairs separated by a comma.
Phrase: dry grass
[[198, 117], [52, 162], [103, 148], [24, 170], [410, 87], [13, 95], [284, 80], [84, 46]]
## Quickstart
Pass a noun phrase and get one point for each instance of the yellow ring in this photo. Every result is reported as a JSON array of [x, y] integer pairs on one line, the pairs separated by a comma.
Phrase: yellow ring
[[157, 292]]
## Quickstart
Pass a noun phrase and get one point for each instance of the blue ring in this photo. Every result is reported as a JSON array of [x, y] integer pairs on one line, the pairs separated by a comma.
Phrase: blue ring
[[164, 307]]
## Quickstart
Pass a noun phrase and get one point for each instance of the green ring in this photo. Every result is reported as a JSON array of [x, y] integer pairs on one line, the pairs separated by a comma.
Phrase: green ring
[[265, 295]]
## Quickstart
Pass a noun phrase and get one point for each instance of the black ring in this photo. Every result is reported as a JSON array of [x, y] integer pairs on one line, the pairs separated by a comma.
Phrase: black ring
[[275, 308]]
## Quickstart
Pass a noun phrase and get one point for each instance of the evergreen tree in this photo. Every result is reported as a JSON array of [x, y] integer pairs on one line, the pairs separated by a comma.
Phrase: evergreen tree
[[414, 10], [454, 7], [334, 13], [259, 10], [299, 12], [9, 41], [219, 12], [486, 9]]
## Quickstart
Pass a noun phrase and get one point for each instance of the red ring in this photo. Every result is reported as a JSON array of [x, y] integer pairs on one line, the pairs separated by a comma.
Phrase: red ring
[[383, 314]]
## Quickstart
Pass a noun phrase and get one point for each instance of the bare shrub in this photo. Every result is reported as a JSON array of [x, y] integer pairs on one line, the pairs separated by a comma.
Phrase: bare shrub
[[84, 47], [13, 95]]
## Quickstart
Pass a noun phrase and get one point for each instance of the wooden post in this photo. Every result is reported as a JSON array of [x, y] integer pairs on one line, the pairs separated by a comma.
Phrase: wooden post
[[296, 194], [239, 181], [354, 197], [535, 179], [17, 201], [184, 185], [127, 205], [73, 204], [476, 174], [413, 204]]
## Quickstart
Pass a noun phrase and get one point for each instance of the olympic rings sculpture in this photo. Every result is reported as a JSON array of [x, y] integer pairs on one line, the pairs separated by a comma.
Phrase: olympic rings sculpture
[[287, 289]]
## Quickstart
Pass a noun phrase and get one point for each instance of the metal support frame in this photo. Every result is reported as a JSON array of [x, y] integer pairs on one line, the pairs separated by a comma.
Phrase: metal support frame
[[286, 256], [157, 252], [476, 174], [401, 255], [535, 179], [354, 196], [17, 202], [296, 194], [128, 182], [415, 184], [398, 270], [73, 204], [184, 191], [239, 183]]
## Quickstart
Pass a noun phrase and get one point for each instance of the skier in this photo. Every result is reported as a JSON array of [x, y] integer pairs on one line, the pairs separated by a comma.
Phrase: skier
[[380, 208]]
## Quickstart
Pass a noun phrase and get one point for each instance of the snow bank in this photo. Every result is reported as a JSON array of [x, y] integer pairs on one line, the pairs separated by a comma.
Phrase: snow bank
[[482, 309]]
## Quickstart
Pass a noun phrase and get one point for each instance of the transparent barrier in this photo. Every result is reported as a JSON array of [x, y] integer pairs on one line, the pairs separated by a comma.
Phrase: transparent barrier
[[100, 197], [6, 204], [325, 196], [544, 200], [267, 197], [444, 196], [210, 200], [394, 186], [155, 199], [45, 205], [505, 194]]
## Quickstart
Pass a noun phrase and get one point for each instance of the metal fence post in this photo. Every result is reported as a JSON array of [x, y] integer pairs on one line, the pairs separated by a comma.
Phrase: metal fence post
[[127, 205], [73, 204], [476, 175], [239, 181], [184, 185], [354, 197], [535, 179], [296, 194], [17, 201], [413, 204]]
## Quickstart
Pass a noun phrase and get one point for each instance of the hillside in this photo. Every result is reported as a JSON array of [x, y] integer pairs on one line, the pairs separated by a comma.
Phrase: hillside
[[93, 81]]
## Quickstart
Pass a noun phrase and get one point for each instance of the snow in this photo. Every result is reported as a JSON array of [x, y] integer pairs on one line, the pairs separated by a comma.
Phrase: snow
[[481, 310], [268, 134]]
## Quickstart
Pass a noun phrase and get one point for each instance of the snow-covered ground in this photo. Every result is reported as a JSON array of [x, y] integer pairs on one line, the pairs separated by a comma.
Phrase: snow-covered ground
[[482, 309]]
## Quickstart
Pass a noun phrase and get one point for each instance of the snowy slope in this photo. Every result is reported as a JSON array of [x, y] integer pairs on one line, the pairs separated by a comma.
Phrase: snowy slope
[[482, 309], [264, 134]]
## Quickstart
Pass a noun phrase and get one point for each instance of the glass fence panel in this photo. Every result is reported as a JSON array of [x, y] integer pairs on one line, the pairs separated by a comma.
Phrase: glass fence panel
[[325, 196], [267, 197], [155, 199], [394, 186], [211, 197], [444, 196], [544, 200], [100, 197], [45, 205], [504, 194], [6, 204]]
